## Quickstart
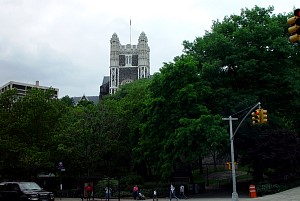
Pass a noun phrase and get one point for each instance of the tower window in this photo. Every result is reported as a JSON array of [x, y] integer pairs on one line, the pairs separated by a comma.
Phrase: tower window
[[128, 60], [135, 60], [122, 60]]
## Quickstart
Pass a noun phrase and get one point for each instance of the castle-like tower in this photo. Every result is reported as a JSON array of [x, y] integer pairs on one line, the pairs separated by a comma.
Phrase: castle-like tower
[[128, 62]]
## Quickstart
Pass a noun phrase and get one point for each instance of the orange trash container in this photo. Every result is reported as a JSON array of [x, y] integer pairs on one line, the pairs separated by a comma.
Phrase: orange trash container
[[252, 191]]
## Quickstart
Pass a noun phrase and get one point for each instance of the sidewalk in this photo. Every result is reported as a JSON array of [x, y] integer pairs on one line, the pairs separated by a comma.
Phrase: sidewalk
[[289, 195]]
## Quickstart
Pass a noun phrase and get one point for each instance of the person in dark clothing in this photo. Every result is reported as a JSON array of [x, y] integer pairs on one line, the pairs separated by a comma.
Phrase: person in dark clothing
[[172, 193], [182, 195]]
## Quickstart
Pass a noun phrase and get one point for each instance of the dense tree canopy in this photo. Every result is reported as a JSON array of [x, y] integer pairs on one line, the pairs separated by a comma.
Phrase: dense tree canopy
[[27, 131], [248, 59], [174, 132]]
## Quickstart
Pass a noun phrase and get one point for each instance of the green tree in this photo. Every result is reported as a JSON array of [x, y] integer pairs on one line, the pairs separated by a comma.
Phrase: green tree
[[275, 158], [247, 59], [127, 107], [38, 113], [201, 137], [68, 101], [28, 132], [77, 144], [173, 133], [9, 142]]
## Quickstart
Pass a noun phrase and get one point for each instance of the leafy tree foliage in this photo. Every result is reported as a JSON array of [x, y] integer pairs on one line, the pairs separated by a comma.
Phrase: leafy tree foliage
[[174, 131], [247, 59], [9, 142], [131, 99], [68, 101], [27, 131], [276, 158], [74, 140]]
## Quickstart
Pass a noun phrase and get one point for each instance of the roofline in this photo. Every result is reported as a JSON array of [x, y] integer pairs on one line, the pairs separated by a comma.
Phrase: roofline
[[29, 85]]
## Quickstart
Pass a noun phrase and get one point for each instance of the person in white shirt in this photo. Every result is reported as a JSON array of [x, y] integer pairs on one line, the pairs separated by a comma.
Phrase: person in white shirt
[[182, 195], [154, 195], [107, 193]]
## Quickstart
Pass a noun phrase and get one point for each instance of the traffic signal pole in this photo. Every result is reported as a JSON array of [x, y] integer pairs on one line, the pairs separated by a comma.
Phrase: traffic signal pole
[[235, 196]]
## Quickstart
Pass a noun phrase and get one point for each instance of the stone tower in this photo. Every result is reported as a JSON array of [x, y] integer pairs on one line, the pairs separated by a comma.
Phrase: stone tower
[[128, 62]]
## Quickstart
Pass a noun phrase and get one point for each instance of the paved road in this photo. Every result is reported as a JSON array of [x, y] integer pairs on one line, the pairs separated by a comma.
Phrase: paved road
[[289, 195]]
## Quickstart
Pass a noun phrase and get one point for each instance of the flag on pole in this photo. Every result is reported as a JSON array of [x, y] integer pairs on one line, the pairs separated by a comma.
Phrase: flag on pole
[[130, 29]]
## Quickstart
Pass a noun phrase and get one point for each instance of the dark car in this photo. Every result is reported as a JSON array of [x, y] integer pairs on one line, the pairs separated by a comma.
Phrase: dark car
[[23, 191]]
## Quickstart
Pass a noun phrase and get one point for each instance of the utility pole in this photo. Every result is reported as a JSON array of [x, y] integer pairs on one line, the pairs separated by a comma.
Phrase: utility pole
[[235, 196]]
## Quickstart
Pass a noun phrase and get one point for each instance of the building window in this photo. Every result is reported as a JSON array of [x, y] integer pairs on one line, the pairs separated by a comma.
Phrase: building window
[[128, 60], [135, 60], [122, 60]]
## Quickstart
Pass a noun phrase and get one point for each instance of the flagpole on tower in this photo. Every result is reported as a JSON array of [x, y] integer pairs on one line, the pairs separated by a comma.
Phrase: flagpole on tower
[[130, 30]]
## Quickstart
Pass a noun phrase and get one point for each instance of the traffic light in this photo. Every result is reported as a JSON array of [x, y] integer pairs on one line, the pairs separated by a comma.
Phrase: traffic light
[[263, 116], [228, 165], [294, 29], [256, 116]]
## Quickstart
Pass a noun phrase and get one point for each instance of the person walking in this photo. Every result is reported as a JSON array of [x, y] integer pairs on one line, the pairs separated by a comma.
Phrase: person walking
[[89, 191], [107, 193], [155, 195], [135, 192], [182, 195], [172, 193]]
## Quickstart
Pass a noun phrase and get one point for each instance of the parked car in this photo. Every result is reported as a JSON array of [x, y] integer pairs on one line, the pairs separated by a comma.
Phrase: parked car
[[23, 191]]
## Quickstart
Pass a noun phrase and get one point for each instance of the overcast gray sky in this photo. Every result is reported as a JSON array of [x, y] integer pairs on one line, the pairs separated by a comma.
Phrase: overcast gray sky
[[65, 43]]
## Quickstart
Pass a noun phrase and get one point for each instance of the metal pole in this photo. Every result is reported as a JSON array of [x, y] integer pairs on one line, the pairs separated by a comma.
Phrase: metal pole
[[108, 196], [207, 182], [60, 185], [119, 197], [235, 196]]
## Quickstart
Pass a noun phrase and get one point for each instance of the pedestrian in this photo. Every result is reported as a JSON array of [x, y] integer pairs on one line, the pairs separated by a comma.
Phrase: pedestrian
[[182, 195], [172, 193], [107, 193], [135, 192], [155, 195], [89, 191]]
